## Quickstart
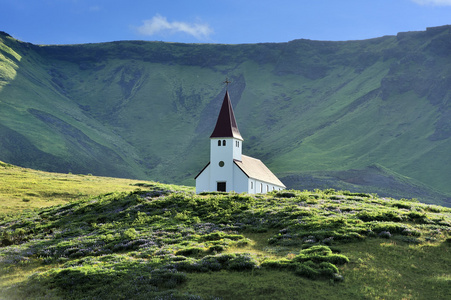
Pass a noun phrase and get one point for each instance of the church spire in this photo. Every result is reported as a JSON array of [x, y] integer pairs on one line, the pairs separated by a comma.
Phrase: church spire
[[226, 124]]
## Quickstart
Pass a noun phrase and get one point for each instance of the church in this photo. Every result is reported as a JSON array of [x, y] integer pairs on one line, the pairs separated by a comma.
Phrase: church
[[228, 169]]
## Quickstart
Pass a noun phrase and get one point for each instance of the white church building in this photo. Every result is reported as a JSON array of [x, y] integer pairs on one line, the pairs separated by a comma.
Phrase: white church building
[[228, 169]]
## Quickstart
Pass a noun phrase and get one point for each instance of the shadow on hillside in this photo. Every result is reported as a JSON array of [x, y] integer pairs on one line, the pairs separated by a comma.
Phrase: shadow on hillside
[[373, 179]]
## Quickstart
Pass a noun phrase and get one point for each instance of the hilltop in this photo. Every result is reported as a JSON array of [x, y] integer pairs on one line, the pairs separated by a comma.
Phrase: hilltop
[[365, 116], [23, 188], [163, 241]]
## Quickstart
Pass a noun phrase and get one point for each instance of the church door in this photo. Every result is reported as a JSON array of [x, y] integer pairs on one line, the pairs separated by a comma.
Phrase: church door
[[221, 186]]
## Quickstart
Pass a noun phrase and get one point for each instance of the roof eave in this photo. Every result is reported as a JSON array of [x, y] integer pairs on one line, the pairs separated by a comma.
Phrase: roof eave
[[202, 170]]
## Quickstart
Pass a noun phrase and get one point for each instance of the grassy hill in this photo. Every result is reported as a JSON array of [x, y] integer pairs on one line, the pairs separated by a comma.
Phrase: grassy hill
[[24, 188], [164, 242], [369, 115]]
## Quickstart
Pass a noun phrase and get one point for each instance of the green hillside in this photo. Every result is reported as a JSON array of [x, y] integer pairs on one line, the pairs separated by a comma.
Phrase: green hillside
[[23, 188], [164, 242], [371, 115]]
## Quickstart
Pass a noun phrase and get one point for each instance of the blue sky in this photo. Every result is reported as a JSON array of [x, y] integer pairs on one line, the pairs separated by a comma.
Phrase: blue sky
[[212, 21]]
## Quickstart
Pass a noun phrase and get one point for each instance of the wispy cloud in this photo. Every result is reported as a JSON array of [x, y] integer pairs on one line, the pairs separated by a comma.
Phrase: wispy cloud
[[94, 8], [160, 25], [433, 2]]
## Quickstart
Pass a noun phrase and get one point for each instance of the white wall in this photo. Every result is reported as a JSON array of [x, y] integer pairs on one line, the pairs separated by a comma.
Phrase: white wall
[[237, 149], [232, 150], [241, 180], [229, 173], [218, 153], [267, 187], [203, 181], [251, 186], [238, 182], [224, 173]]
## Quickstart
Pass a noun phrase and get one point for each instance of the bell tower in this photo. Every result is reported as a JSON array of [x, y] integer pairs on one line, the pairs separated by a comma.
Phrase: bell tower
[[225, 147]]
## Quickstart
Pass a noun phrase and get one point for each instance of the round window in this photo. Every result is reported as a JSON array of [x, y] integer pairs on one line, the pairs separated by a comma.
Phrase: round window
[[221, 164]]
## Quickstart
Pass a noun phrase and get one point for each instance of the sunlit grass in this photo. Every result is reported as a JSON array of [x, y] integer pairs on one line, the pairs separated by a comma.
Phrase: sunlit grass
[[373, 273], [257, 246], [23, 188], [18, 273], [165, 240]]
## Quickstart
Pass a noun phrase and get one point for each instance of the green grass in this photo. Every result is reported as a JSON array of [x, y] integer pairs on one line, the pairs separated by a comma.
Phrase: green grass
[[165, 241], [377, 270], [24, 188]]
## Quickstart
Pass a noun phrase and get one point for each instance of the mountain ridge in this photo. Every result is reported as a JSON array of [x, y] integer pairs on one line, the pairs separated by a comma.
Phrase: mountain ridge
[[145, 109]]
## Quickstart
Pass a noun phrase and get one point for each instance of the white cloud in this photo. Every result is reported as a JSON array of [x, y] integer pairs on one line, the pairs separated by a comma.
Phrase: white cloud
[[433, 2], [94, 8], [160, 25]]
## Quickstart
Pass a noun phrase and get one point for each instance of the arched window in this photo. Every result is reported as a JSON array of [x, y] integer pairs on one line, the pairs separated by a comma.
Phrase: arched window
[[267, 188], [252, 185], [223, 142], [219, 142], [261, 187]]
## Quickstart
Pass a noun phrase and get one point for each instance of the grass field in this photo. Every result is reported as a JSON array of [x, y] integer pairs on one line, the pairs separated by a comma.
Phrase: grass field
[[377, 270], [157, 241], [23, 188]]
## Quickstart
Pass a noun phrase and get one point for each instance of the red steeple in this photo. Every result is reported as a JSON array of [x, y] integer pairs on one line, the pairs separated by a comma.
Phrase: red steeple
[[226, 124]]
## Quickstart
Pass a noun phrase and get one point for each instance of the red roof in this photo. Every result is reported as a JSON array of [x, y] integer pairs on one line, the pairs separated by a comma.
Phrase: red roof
[[226, 124]]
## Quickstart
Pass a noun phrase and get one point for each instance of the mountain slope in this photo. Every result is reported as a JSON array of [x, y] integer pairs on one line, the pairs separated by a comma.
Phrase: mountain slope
[[145, 109]]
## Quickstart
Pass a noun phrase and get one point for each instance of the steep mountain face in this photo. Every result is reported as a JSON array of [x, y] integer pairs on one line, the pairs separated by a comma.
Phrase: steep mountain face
[[359, 115]]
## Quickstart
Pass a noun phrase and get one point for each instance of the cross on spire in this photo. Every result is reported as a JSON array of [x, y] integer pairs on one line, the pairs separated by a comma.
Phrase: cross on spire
[[227, 82]]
